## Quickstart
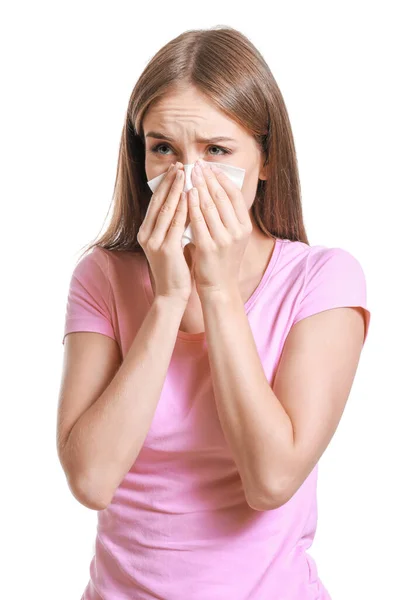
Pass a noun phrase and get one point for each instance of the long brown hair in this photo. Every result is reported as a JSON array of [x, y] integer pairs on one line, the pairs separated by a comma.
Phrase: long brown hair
[[225, 66]]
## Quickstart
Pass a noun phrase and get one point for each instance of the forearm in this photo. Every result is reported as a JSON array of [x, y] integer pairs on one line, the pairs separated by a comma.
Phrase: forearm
[[256, 426], [107, 439]]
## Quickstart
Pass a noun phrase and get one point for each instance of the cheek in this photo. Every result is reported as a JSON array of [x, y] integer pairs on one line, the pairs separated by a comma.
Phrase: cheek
[[148, 170], [249, 190], [153, 170]]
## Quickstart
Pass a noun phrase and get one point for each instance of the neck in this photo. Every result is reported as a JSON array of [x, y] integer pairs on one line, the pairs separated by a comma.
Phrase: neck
[[257, 254]]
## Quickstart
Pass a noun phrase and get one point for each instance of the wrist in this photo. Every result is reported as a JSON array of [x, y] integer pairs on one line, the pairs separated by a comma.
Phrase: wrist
[[172, 302], [226, 294]]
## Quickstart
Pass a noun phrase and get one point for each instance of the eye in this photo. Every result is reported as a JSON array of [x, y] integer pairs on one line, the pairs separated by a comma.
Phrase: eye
[[224, 150], [156, 149]]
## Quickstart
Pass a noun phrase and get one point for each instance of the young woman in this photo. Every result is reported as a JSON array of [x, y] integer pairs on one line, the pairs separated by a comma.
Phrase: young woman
[[202, 383]]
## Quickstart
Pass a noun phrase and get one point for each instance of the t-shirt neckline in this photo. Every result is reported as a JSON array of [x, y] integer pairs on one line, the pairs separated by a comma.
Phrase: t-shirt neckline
[[200, 336]]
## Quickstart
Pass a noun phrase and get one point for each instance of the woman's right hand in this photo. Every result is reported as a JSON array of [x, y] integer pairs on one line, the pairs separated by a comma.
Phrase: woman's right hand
[[160, 236]]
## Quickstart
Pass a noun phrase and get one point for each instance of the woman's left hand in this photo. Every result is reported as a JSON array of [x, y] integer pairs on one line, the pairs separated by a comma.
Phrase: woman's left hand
[[221, 228]]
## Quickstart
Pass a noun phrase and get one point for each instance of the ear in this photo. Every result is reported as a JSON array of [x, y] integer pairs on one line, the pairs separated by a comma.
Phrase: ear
[[263, 173], [263, 168]]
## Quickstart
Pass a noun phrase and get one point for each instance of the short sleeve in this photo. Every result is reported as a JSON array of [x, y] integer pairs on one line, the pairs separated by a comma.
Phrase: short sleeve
[[88, 301], [334, 278]]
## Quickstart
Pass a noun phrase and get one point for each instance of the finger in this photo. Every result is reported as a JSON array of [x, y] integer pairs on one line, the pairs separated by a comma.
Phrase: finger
[[208, 208], [168, 208], [157, 200], [199, 226], [220, 198], [234, 194], [177, 225]]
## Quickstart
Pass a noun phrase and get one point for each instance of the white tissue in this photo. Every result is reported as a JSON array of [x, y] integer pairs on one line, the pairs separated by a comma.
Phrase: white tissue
[[236, 174]]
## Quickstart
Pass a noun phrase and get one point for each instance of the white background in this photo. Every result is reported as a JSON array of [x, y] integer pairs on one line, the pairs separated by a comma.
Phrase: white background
[[68, 70]]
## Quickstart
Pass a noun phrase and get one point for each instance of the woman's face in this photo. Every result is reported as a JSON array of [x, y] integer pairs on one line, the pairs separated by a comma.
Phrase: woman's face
[[184, 117]]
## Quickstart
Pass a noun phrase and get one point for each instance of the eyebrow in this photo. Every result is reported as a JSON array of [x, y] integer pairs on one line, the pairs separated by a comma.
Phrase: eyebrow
[[161, 136]]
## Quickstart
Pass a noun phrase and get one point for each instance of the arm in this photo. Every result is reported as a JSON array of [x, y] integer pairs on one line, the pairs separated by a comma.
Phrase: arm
[[100, 448], [277, 435]]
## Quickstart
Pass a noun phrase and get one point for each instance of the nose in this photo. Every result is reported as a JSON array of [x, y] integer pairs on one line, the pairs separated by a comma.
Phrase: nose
[[190, 158]]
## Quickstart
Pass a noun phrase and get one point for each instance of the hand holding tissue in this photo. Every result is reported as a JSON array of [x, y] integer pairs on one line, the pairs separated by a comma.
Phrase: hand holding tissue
[[236, 174]]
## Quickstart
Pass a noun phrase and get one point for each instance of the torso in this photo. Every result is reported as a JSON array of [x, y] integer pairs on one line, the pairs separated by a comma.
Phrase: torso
[[193, 321]]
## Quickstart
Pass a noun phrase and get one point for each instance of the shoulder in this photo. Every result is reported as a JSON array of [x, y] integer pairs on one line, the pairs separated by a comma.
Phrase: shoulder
[[326, 277], [95, 260], [90, 277], [105, 262], [314, 265], [311, 258], [334, 266]]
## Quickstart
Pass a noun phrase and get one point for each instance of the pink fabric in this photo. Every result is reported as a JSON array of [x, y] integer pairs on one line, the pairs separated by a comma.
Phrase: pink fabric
[[179, 525]]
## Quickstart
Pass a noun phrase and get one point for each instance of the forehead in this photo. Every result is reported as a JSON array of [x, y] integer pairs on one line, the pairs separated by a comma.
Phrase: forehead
[[187, 110]]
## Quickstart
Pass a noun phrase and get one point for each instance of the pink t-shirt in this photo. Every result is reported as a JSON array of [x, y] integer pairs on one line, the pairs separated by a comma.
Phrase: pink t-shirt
[[179, 525]]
